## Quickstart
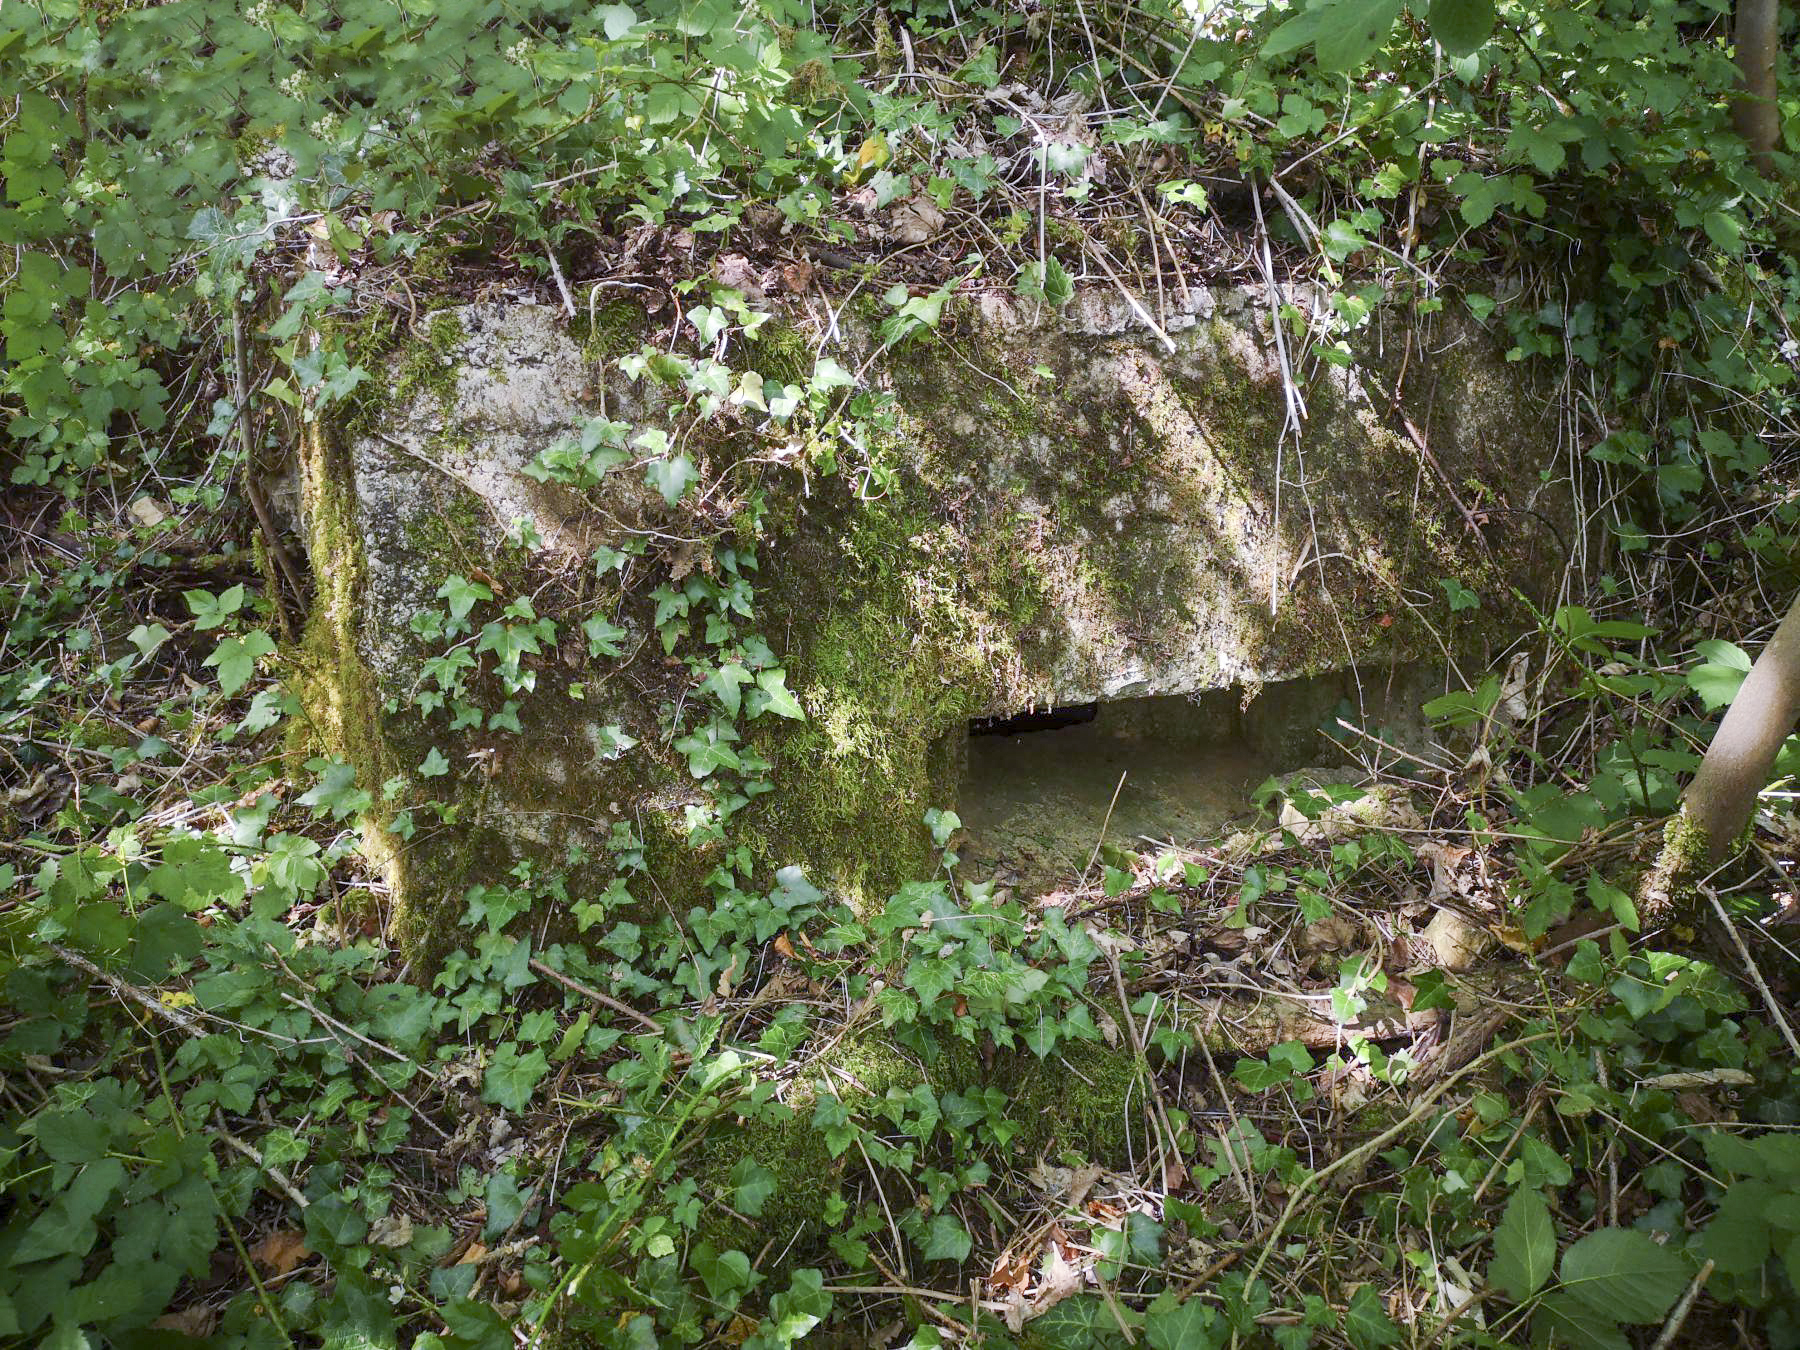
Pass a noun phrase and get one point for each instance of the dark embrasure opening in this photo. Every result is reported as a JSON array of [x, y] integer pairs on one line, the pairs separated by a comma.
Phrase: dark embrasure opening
[[1048, 719]]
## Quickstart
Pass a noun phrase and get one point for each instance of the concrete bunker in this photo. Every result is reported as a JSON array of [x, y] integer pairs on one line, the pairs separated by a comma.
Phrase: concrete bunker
[[1112, 535]]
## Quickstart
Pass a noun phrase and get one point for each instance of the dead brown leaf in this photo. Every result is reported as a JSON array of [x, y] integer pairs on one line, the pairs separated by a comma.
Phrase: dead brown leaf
[[916, 220], [281, 1251], [796, 276], [198, 1322], [1334, 933], [739, 273]]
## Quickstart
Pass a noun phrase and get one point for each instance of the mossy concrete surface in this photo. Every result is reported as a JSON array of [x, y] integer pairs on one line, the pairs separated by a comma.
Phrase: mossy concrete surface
[[1071, 513]]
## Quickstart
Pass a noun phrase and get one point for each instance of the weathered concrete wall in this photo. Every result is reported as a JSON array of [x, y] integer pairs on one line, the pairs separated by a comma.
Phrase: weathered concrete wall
[[1075, 514]]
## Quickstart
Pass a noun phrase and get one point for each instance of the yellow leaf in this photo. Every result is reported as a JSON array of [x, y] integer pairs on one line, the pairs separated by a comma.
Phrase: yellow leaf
[[872, 154]]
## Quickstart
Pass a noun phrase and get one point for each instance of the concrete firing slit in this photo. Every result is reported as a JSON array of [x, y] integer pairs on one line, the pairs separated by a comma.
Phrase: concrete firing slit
[[1037, 785]]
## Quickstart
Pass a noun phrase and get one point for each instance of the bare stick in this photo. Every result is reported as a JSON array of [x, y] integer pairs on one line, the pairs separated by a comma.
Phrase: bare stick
[[1103, 824], [604, 1000], [178, 1017], [1137, 308], [1672, 1328], [1756, 978], [561, 285], [274, 1174]]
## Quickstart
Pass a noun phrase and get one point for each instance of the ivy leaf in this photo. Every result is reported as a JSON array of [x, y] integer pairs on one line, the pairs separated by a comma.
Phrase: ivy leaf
[[947, 1240], [1366, 1323], [672, 476], [1048, 281], [1181, 1325], [1624, 1276], [462, 594], [336, 790], [706, 753], [724, 1273], [434, 765], [602, 635], [1459, 595], [611, 741], [1524, 1246], [725, 684], [772, 695], [236, 659], [754, 1185], [511, 1077]]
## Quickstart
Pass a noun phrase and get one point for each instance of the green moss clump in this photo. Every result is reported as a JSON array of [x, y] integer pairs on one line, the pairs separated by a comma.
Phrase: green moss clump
[[900, 652], [616, 328], [781, 352], [338, 694]]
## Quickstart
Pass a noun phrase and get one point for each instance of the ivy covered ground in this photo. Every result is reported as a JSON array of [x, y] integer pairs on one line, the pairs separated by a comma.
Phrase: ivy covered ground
[[1238, 1092]]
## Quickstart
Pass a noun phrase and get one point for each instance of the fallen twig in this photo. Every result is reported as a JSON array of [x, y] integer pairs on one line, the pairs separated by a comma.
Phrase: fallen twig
[[604, 1000]]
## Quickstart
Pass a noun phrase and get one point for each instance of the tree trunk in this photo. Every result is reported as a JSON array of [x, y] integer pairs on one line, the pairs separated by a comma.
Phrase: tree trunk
[[1719, 802], [1755, 112]]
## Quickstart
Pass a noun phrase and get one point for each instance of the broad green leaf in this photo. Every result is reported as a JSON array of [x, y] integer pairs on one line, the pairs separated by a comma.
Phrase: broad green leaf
[[617, 20], [1524, 1246], [1723, 229], [65, 1336], [148, 637], [1718, 678], [1565, 1321], [1342, 33], [67, 1227], [235, 659], [1460, 26], [1737, 1239], [211, 611], [1622, 1275]]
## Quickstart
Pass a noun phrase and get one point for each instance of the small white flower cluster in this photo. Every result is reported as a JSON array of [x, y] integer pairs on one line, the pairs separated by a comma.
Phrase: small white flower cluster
[[292, 85], [259, 13], [326, 125], [519, 51]]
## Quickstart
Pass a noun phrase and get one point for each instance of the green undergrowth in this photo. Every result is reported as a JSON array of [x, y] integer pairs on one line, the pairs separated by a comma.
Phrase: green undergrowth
[[306, 1041]]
